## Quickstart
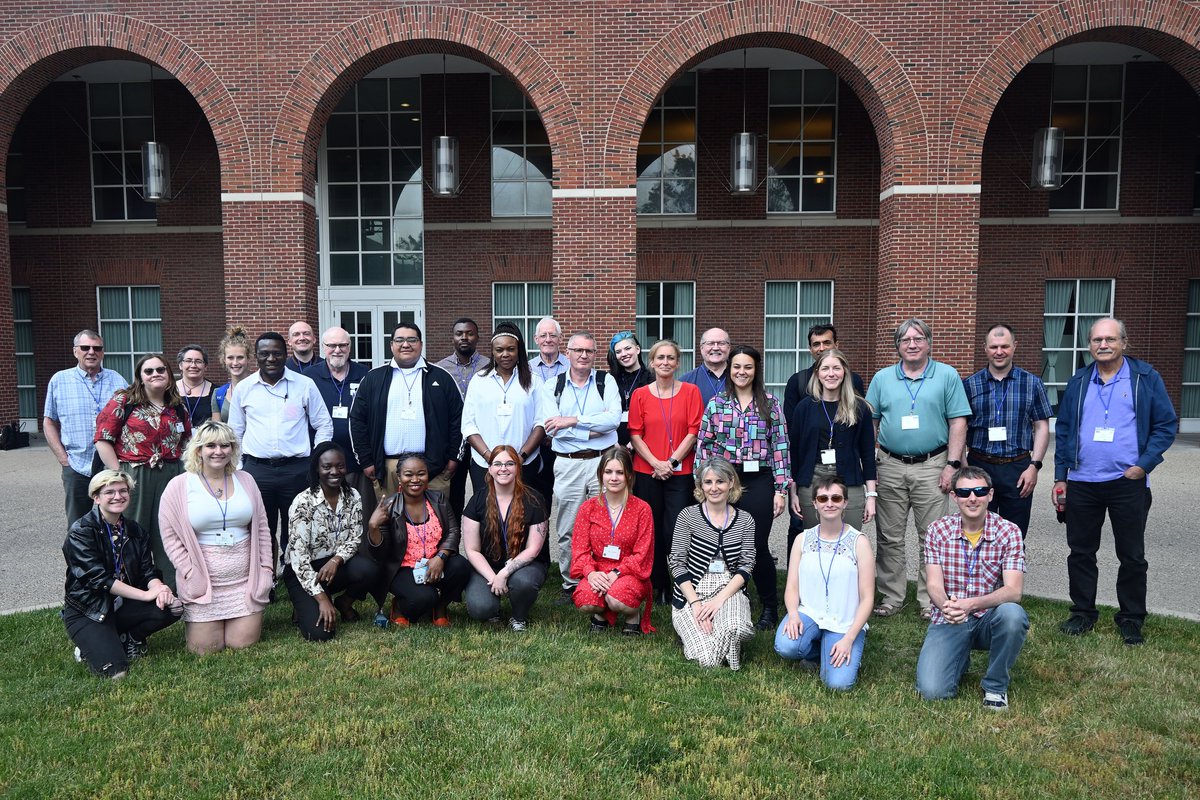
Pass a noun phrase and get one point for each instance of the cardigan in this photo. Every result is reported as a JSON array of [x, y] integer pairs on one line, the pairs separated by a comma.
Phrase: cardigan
[[854, 447]]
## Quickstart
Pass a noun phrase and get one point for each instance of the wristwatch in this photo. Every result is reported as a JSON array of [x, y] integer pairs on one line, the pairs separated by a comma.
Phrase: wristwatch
[[955, 463], [1036, 465], [675, 463]]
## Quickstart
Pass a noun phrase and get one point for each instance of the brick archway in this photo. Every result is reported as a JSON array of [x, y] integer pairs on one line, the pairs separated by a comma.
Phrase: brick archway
[[381, 38], [1166, 28], [841, 44], [38, 55]]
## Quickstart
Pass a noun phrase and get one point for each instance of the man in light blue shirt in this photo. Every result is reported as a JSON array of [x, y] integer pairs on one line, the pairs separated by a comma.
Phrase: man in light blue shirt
[[74, 398]]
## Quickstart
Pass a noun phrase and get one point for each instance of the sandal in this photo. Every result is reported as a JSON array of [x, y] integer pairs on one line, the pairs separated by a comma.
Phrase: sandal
[[598, 625], [887, 610], [632, 628]]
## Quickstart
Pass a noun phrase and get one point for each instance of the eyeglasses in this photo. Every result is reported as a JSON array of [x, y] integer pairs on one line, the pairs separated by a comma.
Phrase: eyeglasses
[[193, 362], [913, 340], [546, 335], [89, 348], [822, 499], [337, 345], [405, 340], [967, 491], [715, 343], [582, 351], [504, 464], [1105, 339], [154, 370], [114, 493]]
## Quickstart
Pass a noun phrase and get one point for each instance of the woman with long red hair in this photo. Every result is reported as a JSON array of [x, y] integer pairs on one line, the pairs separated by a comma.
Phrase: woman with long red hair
[[504, 538]]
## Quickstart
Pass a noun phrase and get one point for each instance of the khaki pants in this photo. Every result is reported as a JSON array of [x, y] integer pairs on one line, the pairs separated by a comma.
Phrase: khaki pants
[[904, 487]]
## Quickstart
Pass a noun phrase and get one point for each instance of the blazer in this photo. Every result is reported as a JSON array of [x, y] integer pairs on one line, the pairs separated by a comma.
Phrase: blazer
[[389, 553]]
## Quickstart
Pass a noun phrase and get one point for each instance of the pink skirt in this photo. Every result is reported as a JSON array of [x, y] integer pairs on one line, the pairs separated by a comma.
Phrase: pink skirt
[[229, 573]]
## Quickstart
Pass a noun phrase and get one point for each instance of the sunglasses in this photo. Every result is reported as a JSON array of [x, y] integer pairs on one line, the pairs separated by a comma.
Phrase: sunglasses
[[89, 348], [821, 499], [978, 491], [154, 370]]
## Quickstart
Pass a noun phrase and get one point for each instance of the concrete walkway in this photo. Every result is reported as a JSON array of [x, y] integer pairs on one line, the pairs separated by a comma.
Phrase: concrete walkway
[[33, 525]]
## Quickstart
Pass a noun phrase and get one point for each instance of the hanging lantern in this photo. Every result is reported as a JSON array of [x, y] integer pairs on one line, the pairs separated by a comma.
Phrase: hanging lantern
[[445, 166], [743, 160], [156, 172], [1047, 159]]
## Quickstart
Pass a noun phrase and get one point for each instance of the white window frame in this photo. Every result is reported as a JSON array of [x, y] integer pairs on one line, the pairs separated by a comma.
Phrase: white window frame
[[1080, 350], [802, 141], [527, 321], [528, 114], [133, 354], [1088, 140], [25, 389], [641, 321], [126, 151], [664, 147], [797, 350]]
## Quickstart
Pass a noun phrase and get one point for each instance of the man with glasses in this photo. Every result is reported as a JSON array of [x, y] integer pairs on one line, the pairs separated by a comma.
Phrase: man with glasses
[[581, 411], [463, 363], [976, 564], [1115, 421], [547, 366], [337, 379], [303, 358], [920, 411], [271, 412], [74, 398], [407, 406], [710, 375]]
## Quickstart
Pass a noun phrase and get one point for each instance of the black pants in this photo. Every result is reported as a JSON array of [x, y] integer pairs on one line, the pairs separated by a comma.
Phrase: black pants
[[99, 643], [458, 485], [356, 577], [1127, 503], [758, 500], [278, 484], [75, 487], [415, 600], [666, 499], [1006, 498]]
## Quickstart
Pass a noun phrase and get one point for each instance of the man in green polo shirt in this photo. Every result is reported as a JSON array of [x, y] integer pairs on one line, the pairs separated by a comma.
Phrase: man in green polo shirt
[[921, 412]]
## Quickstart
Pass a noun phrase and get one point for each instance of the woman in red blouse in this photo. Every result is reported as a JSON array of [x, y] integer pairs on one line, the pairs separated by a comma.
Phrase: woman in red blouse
[[612, 550], [143, 431]]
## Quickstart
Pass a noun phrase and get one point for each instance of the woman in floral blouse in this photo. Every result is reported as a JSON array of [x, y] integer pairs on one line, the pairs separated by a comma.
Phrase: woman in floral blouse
[[325, 529], [142, 431]]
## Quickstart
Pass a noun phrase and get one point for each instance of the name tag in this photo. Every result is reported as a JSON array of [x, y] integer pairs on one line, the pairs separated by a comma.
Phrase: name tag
[[624, 416], [749, 466], [828, 456], [504, 410], [910, 422], [997, 433], [353, 389], [178, 426], [1104, 434], [420, 570], [716, 566], [611, 552], [340, 412], [408, 413]]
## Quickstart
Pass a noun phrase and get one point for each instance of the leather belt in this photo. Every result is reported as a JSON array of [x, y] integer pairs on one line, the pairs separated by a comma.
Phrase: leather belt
[[914, 459], [990, 459], [580, 454]]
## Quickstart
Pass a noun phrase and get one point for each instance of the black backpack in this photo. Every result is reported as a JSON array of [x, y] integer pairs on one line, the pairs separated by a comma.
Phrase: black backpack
[[561, 385]]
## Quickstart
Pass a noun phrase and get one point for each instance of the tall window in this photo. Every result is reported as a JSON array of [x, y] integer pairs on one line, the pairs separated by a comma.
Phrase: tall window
[[1071, 307], [26, 374], [802, 133], [15, 171], [373, 164], [1087, 105], [792, 307], [666, 160], [131, 324], [1191, 354], [522, 304], [668, 311], [521, 170], [121, 119]]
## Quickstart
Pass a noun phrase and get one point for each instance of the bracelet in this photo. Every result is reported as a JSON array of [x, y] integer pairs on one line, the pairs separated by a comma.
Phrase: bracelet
[[871, 494]]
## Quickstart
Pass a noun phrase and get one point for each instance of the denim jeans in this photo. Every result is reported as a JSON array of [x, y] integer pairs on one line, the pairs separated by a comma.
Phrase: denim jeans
[[815, 644], [946, 653]]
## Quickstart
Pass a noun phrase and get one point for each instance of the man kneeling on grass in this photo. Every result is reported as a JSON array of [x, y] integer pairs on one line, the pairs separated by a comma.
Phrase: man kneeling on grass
[[976, 571]]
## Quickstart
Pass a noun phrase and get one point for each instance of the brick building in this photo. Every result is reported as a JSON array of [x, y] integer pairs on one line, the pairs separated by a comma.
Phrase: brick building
[[894, 145]]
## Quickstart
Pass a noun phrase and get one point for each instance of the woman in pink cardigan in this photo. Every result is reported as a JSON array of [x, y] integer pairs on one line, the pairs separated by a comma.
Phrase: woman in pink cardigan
[[214, 530]]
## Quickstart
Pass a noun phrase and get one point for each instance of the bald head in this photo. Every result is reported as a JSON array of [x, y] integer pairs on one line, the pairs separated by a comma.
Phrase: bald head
[[301, 340], [335, 346]]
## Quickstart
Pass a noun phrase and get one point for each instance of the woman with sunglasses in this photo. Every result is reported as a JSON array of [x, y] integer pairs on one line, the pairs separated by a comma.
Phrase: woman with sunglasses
[[626, 366], [195, 389], [504, 538], [142, 431], [234, 352], [830, 588]]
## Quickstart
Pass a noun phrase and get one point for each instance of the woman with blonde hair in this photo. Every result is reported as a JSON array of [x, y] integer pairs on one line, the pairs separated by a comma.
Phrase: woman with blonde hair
[[234, 353]]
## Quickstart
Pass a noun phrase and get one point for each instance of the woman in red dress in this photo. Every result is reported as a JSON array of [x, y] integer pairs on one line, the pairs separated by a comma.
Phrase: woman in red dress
[[612, 550]]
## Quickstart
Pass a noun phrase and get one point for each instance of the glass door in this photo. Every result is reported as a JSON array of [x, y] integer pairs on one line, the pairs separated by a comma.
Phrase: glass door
[[370, 327]]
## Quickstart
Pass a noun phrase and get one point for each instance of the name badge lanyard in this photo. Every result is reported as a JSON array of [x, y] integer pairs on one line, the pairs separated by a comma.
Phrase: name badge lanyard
[[720, 531], [908, 386], [420, 528], [614, 521], [409, 385], [504, 387], [217, 500], [337, 525], [341, 387], [503, 529], [580, 399], [98, 393], [971, 556], [716, 384], [191, 407], [542, 370], [668, 414], [741, 424], [1112, 387], [827, 574], [999, 407], [116, 540], [830, 420]]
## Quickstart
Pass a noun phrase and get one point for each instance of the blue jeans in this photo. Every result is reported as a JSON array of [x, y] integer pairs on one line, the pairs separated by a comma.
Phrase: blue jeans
[[946, 653], [815, 644]]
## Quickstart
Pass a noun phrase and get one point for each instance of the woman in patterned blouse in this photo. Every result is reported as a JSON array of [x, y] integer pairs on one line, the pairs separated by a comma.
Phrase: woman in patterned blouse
[[142, 431], [744, 425], [325, 529]]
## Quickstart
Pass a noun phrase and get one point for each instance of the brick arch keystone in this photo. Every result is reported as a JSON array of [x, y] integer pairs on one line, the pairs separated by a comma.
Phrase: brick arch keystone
[[838, 42], [36, 56], [380, 38], [1166, 28]]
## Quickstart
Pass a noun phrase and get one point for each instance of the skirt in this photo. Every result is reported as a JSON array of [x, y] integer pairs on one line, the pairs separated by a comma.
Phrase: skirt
[[731, 626], [143, 507], [229, 574]]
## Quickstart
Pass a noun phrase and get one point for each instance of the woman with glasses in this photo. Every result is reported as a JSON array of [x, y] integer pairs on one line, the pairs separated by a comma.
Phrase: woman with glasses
[[664, 418], [195, 389], [830, 588], [504, 538], [626, 366], [712, 556], [234, 352], [115, 596], [142, 431], [214, 528]]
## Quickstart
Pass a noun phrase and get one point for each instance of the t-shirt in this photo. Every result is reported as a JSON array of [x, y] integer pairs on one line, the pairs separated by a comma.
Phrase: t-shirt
[[535, 513]]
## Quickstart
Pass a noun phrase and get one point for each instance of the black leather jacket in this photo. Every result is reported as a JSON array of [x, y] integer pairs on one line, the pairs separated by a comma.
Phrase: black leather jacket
[[90, 566], [394, 533]]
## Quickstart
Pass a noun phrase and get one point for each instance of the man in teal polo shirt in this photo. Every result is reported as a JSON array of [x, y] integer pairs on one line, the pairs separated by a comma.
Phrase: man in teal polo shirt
[[921, 412]]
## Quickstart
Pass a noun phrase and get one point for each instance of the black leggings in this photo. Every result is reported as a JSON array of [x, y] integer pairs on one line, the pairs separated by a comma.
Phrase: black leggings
[[758, 498], [415, 600], [666, 499], [355, 577], [99, 643]]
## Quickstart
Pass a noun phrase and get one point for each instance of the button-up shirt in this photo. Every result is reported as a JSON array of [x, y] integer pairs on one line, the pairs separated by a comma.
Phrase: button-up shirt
[[462, 373], [404, 431], [973, 571], [597, 414], [740, 436], [74, 400], [547, 372], [317, 531], [709, 382], [273, 421], [482, 415], [1014, 403]]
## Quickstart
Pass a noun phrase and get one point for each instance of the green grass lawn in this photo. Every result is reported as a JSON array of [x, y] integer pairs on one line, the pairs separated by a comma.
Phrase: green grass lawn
[[557, 713]]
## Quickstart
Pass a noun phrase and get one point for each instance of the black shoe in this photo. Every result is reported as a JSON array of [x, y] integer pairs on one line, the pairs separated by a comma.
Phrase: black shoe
[[1131, 632], [566, 598], [769, 619], [631, 629], [134, 648], [1077, 625], [598, 625]]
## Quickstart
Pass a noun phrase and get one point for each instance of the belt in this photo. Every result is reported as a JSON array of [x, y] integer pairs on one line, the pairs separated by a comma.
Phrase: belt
[[914, 459], [580, 454], [990, 459], [276, 462]]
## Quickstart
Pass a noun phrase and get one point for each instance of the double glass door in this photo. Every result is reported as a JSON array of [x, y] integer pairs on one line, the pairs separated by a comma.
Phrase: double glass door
[[370, 327]]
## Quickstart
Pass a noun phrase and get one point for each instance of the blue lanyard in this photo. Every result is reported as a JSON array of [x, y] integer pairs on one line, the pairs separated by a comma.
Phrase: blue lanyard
[[715, 383], [826, 410], [972, 563], [999, 407], [1112, 387], [117, 542], [339, 386], [191, 407], [96, 395], [420, 527], [579, 404], [224, 508], [668, 414], [614, 521], [908, 386], [542, 367], [821, 562]]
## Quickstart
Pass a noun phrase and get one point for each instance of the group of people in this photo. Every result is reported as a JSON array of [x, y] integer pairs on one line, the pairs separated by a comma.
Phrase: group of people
[[352, 481]]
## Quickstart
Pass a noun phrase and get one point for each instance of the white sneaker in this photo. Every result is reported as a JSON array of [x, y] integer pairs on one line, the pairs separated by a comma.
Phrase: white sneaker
[[518, 625], [78, 656], [995, 701]]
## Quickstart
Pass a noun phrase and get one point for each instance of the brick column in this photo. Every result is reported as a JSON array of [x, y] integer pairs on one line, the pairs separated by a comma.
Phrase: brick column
[[595, 263], [9, 406]]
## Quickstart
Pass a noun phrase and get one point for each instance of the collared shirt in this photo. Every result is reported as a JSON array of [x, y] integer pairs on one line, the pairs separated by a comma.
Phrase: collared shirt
[[74, 400], [404, 431], [1014, 403], [709, 382], [740, 436], [273, 421], [143, 434], [1107, 461], [501, 413], [969, 571], [546, 372], [462, 372], [302, 367], [316, 531], [338, 394], [935, 397], [597, 414]]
